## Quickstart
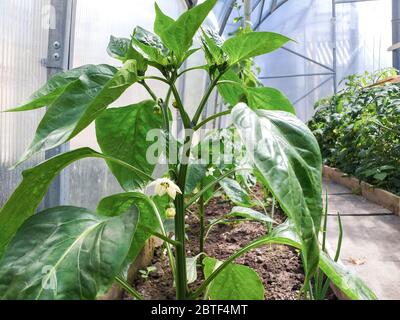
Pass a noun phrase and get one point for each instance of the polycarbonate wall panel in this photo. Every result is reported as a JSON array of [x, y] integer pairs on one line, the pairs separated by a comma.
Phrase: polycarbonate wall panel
[[24, 26], [90, 180], [363, 36]]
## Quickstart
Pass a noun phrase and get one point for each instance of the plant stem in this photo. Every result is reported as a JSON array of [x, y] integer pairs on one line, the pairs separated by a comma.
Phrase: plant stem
[[157, 78], [191, 69], [126, 286], [161, 236], [151, 92], [124, 164], [181, 278], [211, 118], [202, 220], [203, 102], [164, 233], [185, 118]]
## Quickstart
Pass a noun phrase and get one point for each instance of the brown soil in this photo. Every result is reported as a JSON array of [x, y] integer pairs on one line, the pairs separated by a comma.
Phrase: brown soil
[[279, 267]]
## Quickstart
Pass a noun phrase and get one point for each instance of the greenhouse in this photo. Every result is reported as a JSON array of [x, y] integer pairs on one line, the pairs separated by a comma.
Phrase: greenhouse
[[199, 150]]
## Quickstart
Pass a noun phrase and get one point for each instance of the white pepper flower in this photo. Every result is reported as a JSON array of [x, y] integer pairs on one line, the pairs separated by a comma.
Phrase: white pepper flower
[[210, 171], [165, 185]]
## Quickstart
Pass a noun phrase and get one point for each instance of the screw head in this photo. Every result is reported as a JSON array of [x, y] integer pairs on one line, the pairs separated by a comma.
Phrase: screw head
[[56, 56], [56, 45]]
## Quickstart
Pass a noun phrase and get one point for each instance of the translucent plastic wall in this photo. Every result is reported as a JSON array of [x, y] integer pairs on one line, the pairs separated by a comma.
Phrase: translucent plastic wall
[[363, 34], [90, 179], [24, 26]]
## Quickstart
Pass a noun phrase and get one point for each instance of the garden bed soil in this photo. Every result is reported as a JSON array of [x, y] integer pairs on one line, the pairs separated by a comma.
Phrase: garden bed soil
[[279, 267]]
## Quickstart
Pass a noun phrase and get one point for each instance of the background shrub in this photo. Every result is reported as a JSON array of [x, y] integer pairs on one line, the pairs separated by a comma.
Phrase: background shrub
[[358, 129]]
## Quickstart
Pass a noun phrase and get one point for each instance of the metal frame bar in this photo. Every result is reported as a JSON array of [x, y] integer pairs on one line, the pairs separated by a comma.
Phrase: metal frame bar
[[396, 32], [308, 59], [297, 75], [312, 90], [225, 19], [274, 6], [58, 59]]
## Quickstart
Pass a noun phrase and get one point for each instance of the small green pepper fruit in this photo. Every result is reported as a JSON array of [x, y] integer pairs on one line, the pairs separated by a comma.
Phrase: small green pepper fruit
[[157, 109]]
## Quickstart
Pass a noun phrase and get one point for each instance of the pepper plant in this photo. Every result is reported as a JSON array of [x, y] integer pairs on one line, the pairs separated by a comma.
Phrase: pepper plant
[[358, 129], [74, 253]]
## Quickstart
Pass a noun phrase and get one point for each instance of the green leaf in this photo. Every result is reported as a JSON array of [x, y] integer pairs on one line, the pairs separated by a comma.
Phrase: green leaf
[[212, 46], [118, 204], [380, 176], [236, 193], [250, 214], [27, 197], [288, 160], [191, 268], [269, 99], [122, 133], [349, 283], [118, 48], [151, 46], [235, 282], [80, 103], [121, 49], [196, 172], [53, 88], [66, 253], [162, 21], [252, 44], [178, 37], [232, 93]]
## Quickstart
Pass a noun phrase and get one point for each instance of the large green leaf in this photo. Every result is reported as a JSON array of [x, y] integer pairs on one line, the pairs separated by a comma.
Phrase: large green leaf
[[178, 36], [162, 21], [234, 91], [80, 103], [122, 133], [268, 99], [288, 160], [235, 282], [348, 282], [27, 197], [236, 193], [66, 253], [54, 88], [252, 44], [118, 204]]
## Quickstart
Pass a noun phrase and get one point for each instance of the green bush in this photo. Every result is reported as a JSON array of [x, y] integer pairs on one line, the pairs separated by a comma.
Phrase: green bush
[[358, 130]]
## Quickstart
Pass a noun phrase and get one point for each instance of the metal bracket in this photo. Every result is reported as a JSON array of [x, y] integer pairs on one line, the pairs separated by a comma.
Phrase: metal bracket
[[60, 35]]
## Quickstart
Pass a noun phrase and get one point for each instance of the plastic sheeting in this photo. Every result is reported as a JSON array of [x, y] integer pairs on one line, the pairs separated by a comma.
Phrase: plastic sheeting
[[24, 26], [363, 32]]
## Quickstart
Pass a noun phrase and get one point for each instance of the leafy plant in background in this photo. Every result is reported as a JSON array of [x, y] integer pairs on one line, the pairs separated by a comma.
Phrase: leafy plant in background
[[358, 129], [74, 253]]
